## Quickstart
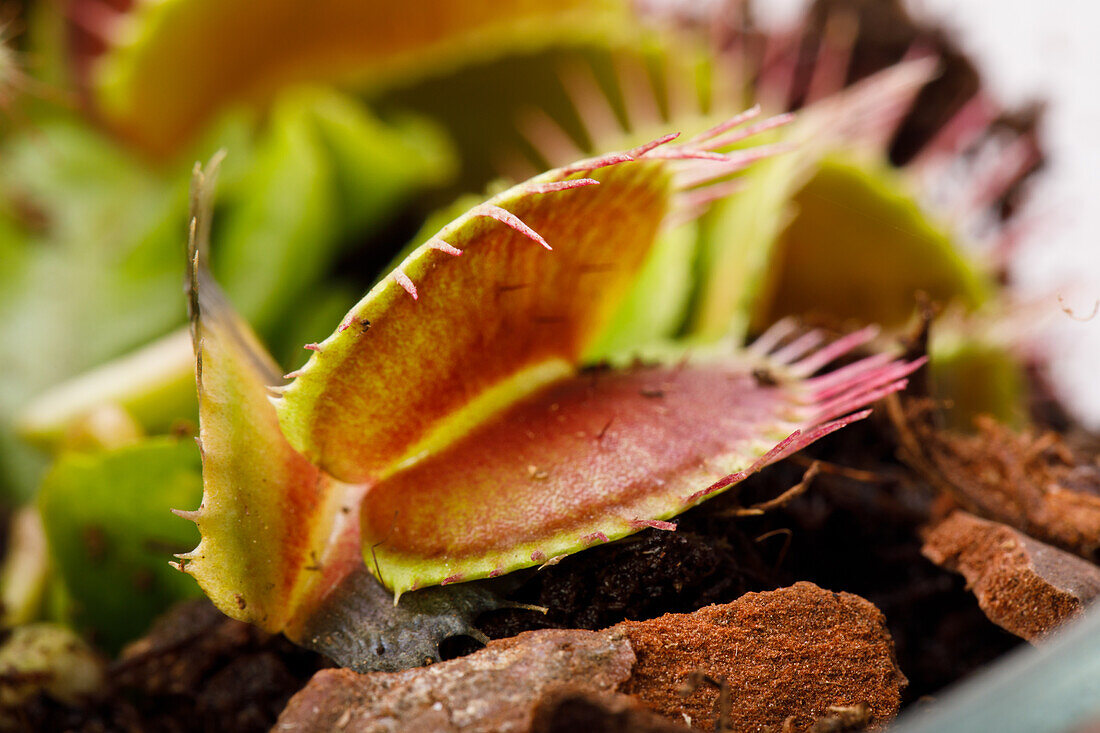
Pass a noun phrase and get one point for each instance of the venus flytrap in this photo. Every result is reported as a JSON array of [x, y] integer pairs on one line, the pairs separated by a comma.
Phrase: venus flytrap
[[93, 282], [448, 431]]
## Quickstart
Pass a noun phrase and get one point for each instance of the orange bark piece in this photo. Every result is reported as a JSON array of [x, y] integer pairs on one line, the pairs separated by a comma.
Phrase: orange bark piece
[[788, 656], [1023, 585], [1034, 483]]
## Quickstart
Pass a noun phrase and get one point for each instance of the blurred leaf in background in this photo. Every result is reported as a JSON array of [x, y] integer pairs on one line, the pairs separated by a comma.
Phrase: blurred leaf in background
[[107, 516], [99, 271], [168, 68], [94, 241], [325, 172]]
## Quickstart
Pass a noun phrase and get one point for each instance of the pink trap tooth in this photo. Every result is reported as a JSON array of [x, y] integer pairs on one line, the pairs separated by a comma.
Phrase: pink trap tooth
[[732, 122], [771, 338], [799, 347], [835, 350], [592, 164], [763, 126], [652, 145], [833, 382], [405, 282], [555, 186], [507, 217]]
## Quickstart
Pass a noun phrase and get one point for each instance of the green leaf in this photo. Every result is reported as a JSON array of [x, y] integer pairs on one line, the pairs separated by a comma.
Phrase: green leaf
[[741, 257], [177, 63], [860, 247], [111, 533], [154, 385], [378, 165], [736, 240], [976, 375], [95, 270], [657, 305], [324, 170], [281, 230]]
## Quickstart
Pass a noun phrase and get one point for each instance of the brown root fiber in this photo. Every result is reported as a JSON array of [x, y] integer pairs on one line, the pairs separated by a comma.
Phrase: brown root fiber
[[1033, 482]]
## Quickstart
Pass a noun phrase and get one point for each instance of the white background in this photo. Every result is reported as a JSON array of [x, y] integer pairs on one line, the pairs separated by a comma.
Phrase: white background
[[1047, 50]]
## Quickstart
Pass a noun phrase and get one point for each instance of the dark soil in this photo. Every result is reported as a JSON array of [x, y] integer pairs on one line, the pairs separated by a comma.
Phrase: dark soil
[[195, 671], [569, 711]]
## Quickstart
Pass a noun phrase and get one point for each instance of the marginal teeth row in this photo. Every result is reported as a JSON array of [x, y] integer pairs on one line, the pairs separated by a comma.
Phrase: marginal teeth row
[[493, 212], [546, 562], [710, 165]]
